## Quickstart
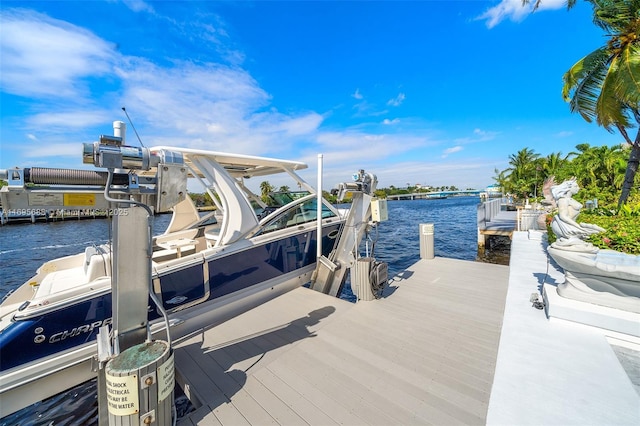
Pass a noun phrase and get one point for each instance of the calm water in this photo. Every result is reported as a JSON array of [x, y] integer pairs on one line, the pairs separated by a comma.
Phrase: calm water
[[24, 247]]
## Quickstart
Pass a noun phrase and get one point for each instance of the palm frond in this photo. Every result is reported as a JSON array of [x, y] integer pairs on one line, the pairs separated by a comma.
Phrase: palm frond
[[614, 16], [583, 82], [610, 110], [627, 83]]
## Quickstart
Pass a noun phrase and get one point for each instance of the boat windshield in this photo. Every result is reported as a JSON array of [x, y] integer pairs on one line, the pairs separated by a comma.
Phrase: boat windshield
[[279, 199], [298, 214]]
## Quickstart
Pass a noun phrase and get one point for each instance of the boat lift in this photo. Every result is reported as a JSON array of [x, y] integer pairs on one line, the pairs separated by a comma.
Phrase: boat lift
[[136, 376], [138, 182], [368, 277]]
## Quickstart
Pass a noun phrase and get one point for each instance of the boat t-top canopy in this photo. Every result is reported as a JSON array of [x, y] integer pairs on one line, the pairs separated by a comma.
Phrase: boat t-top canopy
[[223, 174], [237, 165]]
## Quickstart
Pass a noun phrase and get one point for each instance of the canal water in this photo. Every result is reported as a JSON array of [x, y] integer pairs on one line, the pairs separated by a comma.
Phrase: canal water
[[24, 247]]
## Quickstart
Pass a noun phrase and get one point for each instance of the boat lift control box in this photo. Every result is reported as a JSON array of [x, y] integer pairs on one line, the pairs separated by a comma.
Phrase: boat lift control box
[[379, 210]]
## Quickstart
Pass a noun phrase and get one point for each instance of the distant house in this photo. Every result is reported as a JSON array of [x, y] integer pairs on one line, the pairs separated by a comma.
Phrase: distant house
[[494, 191]]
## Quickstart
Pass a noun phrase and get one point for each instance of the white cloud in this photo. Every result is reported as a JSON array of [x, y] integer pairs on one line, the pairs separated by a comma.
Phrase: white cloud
[[42, 56], [451, 150], [397, 101], [356, 144], [70, 119], [366, 109], [201, 105], [138, 6], [388, 122], [53, 150], [462, 173], [478, 135], [515, 11]]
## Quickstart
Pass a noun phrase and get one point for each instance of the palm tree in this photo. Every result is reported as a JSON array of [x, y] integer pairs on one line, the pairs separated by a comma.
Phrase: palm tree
[[265, 189], [502, 180], [552, 164], [605, 84], [522, 178]]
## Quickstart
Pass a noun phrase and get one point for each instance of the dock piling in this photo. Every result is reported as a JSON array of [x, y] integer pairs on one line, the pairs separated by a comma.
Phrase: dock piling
[[426, 241], [139, 384]]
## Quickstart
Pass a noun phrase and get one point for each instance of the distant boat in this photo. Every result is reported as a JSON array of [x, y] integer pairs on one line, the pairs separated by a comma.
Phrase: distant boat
[[436, 197]]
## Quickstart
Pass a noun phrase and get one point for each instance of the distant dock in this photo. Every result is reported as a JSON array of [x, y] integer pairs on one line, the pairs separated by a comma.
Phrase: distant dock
[[51, 216], [497, 218], [450, 342], [432, 195]]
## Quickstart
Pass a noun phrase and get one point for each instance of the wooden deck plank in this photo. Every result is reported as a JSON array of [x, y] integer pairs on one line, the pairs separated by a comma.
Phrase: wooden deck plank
[[306, 358], [411, 368], [437, 338], [278, 409], [194, 373], [304, 408], [418, 405], [244, 356], [399, 383], [201, 417], [342, 391], [291, 368], [457, 373]]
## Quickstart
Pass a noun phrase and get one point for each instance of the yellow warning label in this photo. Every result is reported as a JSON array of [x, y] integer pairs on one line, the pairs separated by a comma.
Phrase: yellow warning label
[[79, 199], [166, 379], [122, 395]]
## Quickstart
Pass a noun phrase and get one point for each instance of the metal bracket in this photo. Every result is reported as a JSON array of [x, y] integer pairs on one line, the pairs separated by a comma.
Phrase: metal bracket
[[148, 418], [147, 380], [15, 177]]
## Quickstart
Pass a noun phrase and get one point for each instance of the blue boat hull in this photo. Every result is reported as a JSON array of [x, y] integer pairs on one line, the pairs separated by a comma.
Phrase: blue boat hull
[[32, 338]]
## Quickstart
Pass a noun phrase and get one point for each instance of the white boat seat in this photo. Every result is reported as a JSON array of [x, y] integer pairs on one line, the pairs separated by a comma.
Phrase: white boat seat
[[62, 280]]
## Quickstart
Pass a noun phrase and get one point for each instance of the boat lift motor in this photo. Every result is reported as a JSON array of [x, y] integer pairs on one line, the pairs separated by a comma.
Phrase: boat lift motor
[[330, 273], [156, 178]]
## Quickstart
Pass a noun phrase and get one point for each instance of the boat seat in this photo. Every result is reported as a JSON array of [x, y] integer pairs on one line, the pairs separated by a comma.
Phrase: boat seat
[[169, 254], [62, 280], [88, 254], [59, 292]]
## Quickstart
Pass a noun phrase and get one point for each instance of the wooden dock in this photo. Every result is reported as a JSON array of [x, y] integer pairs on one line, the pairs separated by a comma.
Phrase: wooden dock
[[493, 221], [423, 354]]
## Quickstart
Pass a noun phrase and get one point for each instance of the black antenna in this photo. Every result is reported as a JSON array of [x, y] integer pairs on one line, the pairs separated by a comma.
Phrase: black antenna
[[133, 127]]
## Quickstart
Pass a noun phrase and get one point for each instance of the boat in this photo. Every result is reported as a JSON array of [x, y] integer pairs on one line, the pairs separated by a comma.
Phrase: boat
[[204, 269]]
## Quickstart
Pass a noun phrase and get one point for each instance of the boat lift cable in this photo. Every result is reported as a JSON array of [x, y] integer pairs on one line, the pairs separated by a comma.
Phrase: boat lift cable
[[133, 127], [149, 253]]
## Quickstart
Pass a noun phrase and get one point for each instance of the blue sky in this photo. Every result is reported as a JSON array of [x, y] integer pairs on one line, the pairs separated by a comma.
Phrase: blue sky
[[430, 92]]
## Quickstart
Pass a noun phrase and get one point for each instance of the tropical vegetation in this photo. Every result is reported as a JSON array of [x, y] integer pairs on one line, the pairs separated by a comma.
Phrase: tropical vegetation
[[600, 173], [605, 85]]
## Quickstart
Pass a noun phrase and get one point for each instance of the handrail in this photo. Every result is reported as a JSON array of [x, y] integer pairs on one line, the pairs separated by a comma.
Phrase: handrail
[[487, 210]]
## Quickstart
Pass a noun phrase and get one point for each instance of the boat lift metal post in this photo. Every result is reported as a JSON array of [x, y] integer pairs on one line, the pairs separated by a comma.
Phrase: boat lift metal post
[[319, 211], [330, 271], [136, 383]]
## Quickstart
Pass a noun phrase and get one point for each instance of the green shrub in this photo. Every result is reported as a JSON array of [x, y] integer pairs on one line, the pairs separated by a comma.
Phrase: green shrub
[[622, 228], [622, 231]]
